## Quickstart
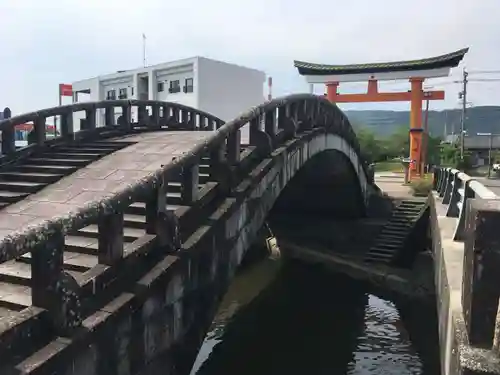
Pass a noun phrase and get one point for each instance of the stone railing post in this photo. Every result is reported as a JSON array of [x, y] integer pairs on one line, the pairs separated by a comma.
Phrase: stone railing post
[[481, 276], [219, 169], [453, 197], [270, 124], [440, 179], [191, 120], [125, 120], [451, 186], [109, 116], [435, 178], [234, 147], [447, 183], [286, 124], [53, 289], [39, 131], [110, 238], [159, 221], [444, 181], [66, 125], [90, 118], [8, 136], [202, 122], [440, 182], [155, 115], [165, 116], [175, 115], [190, 184], [468, 193]]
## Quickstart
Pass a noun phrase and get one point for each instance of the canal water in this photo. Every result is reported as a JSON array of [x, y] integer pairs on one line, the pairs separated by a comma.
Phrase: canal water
[[288, 318]]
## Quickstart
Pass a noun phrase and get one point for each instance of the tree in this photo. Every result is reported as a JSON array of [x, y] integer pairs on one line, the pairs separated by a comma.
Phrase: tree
[[394, 146], [368, 144], [433, 150], [449, 154], [398, 143]]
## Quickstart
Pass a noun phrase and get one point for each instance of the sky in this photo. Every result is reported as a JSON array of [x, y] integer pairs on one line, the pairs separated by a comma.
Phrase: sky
[[47, 42]]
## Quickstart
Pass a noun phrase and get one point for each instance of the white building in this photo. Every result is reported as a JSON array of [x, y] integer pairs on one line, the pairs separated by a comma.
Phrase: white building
[[222, 89]]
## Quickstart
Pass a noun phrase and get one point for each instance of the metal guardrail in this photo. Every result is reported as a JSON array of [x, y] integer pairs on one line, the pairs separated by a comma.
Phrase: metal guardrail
[[455, 188]]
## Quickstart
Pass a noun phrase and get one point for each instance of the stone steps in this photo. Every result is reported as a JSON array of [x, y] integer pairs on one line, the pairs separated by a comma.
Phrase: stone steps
[[31, 174], [80, 258], [394, 233], [81, 246]]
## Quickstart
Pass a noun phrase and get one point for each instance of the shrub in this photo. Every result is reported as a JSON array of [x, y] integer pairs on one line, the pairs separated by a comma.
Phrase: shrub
[[421, 187]]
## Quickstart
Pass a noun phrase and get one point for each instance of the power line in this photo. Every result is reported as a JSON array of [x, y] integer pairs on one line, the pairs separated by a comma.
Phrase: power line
[[484, 80], [484, 72], [463, 95]]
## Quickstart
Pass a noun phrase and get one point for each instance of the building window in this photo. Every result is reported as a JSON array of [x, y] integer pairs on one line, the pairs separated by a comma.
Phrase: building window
[[111, 95], [175, 86], [131, 91], [160, 87], [188, 85], [122, 94]]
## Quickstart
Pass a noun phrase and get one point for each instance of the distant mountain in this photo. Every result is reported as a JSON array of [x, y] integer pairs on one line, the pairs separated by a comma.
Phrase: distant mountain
[[484, 119]]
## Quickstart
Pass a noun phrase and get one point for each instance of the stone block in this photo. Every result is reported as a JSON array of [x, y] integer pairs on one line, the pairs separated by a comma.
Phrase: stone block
[[481, 276]]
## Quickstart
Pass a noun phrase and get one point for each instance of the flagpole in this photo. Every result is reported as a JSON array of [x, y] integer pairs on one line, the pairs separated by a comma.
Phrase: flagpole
[[144, 49]]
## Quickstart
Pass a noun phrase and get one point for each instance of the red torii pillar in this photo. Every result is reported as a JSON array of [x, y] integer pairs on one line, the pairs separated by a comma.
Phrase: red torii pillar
[[415, 96]]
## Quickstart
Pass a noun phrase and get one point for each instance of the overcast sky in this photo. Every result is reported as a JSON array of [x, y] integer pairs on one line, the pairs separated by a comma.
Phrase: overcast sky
[[47, 42]]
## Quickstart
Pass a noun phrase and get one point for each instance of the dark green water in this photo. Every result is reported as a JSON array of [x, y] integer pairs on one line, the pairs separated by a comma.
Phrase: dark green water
[[295, 319]]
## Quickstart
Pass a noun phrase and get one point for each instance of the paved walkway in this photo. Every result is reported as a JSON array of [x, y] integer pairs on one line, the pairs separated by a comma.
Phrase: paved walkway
[[101, 178], [392, 184]]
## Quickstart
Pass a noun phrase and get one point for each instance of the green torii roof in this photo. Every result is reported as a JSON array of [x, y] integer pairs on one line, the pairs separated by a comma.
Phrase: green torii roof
[[449, 60]]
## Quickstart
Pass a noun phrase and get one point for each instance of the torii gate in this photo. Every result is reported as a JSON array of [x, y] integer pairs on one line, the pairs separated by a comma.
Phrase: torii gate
[[416, 71]]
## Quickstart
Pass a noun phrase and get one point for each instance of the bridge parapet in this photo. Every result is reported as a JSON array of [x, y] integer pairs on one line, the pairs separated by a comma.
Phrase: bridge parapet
[[64, 305], [456, 188], [466, 237], [150, 114]]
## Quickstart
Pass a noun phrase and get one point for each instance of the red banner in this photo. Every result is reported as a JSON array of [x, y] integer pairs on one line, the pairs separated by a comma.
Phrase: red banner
[[65, 89]]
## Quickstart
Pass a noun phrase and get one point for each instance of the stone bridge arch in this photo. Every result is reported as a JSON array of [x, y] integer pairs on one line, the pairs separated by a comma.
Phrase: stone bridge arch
[[329, 184], [156, 301]]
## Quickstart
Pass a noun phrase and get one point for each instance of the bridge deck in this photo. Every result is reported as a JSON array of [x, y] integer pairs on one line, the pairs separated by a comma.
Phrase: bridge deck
[[105, 176], [91, 183]]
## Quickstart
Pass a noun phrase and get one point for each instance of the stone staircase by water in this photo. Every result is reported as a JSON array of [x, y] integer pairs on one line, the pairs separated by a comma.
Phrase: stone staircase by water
[[391, 238]]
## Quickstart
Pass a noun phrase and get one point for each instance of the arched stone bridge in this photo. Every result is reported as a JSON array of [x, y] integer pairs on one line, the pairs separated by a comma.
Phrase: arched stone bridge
[[117, 242]]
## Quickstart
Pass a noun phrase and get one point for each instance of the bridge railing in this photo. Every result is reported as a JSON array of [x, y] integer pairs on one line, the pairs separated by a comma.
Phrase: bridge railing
[[455, 188], [150, 115], [53, 289], [477, 209]]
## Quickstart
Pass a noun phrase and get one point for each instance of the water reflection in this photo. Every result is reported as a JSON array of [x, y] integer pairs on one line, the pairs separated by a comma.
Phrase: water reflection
[[296, 319], [384, 347]]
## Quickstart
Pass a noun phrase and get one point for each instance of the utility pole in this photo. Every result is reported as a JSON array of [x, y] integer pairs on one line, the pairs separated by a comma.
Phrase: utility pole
[[425, 138], [463, 95], [445, 125], [144, 49], [490, 151]]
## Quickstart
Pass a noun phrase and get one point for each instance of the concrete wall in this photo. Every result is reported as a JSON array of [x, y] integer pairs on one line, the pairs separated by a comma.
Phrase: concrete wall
[[458, 356], [227, 90]]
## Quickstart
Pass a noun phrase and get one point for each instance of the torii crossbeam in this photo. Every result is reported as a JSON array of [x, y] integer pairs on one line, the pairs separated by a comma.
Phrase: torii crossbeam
[[416, 71]]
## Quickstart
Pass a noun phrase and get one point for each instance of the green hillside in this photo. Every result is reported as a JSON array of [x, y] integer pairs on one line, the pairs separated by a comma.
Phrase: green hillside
[[383, 123]]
